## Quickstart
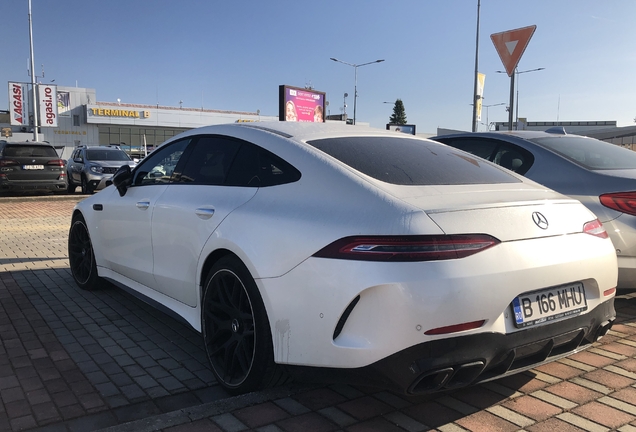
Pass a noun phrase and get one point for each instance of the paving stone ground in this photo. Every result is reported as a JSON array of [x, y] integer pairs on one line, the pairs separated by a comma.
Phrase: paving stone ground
[[72, 360]]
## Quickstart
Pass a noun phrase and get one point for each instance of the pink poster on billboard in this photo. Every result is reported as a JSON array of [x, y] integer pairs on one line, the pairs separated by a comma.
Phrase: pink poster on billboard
[[301, 105]]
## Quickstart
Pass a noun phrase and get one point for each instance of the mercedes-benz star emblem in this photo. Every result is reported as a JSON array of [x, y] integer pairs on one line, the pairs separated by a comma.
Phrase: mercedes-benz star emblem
[[540, 220]]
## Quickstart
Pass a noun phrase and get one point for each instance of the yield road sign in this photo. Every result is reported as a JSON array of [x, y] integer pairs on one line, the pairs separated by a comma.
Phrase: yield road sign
[[511, 44]]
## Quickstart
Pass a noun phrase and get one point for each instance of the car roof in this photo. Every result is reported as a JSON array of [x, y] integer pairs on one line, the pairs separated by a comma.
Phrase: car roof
[[527, 135], [300, 131], [26, 143]]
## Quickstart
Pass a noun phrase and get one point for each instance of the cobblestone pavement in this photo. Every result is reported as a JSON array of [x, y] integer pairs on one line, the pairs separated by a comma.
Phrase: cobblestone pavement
[[72, 360]]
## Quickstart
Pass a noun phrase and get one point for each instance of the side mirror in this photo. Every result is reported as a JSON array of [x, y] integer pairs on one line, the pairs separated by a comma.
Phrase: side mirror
[[78, 160], [122, 179]]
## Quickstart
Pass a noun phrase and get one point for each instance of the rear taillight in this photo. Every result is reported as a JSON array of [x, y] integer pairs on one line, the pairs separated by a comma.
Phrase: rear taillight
[[56, 162], [8, 162], [620, 201], [595, 228], [407, 248]]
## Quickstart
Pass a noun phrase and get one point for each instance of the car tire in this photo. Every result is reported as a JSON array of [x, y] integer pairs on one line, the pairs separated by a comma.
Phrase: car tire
[[236, 330], [86, 187], [70, 187], [81, 256]]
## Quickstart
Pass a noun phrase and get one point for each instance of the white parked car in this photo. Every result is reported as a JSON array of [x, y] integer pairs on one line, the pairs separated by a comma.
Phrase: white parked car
[[338, 251]]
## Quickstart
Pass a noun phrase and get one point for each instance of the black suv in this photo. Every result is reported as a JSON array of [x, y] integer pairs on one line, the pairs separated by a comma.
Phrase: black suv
[[92, 167], [31, 166]]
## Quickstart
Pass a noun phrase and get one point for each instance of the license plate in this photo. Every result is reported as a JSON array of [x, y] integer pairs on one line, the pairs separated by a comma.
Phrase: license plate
[[32, 167], [550, 304]]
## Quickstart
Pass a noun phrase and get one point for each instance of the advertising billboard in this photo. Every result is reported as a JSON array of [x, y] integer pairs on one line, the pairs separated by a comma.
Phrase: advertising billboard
[[301, 105], [47, 105], [409, 129], [18, 99], [63, 103]]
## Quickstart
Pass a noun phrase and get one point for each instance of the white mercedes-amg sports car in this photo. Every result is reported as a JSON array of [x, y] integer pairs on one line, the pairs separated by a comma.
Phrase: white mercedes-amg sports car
[[349, 253]]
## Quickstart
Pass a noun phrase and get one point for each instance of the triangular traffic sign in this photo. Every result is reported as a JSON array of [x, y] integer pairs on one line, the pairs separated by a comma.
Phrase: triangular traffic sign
[[511, 44]]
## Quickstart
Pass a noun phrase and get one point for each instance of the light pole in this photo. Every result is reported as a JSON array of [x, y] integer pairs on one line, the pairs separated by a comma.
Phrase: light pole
[[488, 106], [355, 87], [517, 72]]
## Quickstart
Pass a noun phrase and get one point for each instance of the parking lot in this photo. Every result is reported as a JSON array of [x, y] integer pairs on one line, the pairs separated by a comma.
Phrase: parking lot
[[73, 360]]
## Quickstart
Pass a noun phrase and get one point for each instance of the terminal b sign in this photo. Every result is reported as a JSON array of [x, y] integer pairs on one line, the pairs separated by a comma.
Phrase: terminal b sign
[[511, 44]]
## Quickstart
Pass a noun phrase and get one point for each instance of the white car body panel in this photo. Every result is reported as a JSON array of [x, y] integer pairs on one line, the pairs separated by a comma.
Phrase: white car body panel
[[183, 220], [428, 295]]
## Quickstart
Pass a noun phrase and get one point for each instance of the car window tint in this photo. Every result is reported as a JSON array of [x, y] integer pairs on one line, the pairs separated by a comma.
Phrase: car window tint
[[257, 167], [25, 150], [106, 155], [478, 147], [590, 153], [407, 161], [158, 166], [209, 161], [513, 158]]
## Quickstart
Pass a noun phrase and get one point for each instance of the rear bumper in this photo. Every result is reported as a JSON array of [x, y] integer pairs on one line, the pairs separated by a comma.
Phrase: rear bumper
[[460, 361], [30, 185]]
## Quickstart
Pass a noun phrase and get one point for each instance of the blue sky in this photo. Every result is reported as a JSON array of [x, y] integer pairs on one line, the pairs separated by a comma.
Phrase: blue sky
[[233, 55]]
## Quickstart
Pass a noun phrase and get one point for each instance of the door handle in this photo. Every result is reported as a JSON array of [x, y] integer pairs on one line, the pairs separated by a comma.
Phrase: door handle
[[204, 213], [143, 205]]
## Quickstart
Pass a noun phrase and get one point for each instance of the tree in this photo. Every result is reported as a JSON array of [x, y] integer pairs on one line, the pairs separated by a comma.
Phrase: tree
[[399, 115]]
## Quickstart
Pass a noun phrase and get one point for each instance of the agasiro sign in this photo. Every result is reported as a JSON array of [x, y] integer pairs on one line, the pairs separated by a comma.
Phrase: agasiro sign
[[106, 112]]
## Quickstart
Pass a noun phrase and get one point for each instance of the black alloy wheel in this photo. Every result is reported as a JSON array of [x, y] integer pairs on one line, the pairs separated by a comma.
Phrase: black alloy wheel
[[81, 256], [236, 330]]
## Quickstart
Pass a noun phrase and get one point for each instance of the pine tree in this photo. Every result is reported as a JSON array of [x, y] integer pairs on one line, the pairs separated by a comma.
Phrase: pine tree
[[399, 115]]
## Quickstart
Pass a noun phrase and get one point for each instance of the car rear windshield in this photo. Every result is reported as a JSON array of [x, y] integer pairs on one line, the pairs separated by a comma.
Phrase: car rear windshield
[[26, 150], [406, 161], [106, 155], [590, 153]]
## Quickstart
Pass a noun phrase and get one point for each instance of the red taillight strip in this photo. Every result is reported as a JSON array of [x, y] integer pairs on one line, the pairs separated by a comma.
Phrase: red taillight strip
[[624, 202], [595, 228], [56, 162], [609, 292], [407, 248], [455, 328], [8, 162]]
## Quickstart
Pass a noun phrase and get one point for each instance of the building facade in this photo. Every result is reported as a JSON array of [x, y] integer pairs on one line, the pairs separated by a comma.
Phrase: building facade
[[135, 128]]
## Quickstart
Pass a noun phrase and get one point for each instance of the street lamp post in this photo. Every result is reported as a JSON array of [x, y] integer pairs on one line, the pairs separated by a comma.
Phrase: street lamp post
[[488, 106], [355, 87], [512, 91]]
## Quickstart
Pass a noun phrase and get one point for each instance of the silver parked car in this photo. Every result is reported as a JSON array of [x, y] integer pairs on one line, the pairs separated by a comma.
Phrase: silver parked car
[[600, 175], [92, 167]]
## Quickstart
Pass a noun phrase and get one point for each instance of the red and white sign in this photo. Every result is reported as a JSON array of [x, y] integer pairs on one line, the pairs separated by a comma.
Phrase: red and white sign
[[18, 104], [511, 44], [47, 98]]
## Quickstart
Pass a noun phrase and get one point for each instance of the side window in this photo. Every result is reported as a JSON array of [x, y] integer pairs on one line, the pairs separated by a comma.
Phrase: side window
[[257, 167], [210, 161], [157, 167], [513, 158], [482, 148]]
